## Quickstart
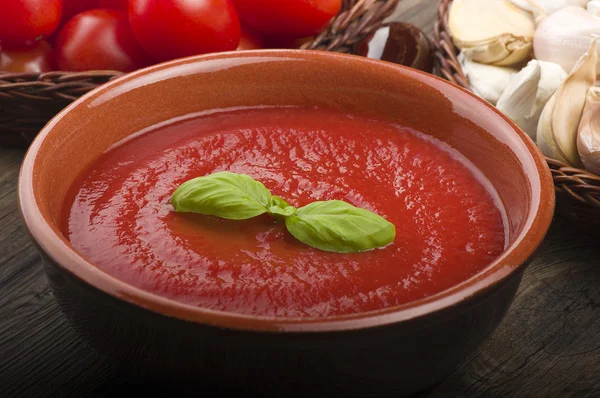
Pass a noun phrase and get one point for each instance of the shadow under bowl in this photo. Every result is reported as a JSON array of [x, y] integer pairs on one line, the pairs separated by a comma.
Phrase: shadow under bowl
[[396, 350]]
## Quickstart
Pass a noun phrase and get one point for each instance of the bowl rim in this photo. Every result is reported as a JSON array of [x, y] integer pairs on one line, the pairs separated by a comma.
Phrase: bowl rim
[[512, 261]]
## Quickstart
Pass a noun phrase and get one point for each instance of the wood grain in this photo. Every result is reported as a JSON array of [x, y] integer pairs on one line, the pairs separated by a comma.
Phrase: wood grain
[[547, 346]]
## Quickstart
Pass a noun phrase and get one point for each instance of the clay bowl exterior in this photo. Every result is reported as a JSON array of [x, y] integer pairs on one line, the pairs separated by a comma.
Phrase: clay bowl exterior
[[393, 351]]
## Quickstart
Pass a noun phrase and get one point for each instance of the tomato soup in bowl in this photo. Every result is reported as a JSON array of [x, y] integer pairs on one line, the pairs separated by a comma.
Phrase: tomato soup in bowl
[[384, 221], [448, 218]]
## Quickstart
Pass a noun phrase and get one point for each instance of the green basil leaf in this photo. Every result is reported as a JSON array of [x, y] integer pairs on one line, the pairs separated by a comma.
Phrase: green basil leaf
[[337, 226], [279, 202], [285, 212], [279, 207], [223, 194]]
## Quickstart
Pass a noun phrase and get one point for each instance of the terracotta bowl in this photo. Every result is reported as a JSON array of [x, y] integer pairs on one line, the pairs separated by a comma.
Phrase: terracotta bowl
[[395, 351]]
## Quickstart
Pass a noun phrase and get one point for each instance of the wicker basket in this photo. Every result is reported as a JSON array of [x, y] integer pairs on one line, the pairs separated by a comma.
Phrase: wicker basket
[[577, 191], [29, 100]]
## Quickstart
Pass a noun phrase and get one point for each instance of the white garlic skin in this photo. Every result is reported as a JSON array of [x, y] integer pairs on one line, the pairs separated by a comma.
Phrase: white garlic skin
[[494, 32], [593, 7], [564, 36], [559, 123], [487, 81], [527, 93], [548, 6], [588, 137]]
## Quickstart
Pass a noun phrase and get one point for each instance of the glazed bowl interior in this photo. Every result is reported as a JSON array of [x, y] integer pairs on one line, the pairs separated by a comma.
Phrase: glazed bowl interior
[[176, 90]]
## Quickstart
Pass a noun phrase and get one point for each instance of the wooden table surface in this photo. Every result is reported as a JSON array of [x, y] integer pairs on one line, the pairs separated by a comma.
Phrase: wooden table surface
[[547, 346]]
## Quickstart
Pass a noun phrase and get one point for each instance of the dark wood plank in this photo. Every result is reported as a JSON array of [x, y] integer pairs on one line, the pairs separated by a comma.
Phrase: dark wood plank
[[548, 344], [39, 353]]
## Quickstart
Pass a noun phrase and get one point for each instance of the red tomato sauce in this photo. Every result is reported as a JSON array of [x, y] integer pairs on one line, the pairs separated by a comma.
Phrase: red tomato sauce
[[449, 225]]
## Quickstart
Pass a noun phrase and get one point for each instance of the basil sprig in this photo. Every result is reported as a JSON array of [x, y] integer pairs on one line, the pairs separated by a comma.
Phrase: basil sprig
[[333, 226]]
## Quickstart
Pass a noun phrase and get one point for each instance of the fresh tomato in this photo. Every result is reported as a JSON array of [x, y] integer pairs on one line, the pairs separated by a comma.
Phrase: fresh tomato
[[169, 29], [99, 39], [35, 59], [292, 18], [24, 21], [250, 40], [69, 10], [122, 5]]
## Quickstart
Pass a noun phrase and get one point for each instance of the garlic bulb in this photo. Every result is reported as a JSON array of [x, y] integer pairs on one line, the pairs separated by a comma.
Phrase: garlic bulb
[[542, 8], [527, 93], [558, 125], [491, 31], [487, 81], [563, 37], [588, 138], [593, 7]]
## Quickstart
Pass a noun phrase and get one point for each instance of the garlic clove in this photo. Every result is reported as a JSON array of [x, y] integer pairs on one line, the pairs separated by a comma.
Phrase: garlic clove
[[487, 81], [492, 31], [588, 137], [527, 93], [501, 51], [543, 8], [564, 36], [559, 123], [532, 6], [593, 7]]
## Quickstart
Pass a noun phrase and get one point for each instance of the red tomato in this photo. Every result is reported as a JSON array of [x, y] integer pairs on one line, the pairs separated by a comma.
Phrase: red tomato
[[295, 18], [69, 10], [169, 29], [24, 21], [250, 40], [99, 39], [36, 59], [74, 7], [122, 5]]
